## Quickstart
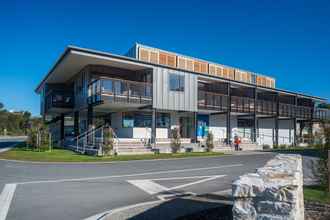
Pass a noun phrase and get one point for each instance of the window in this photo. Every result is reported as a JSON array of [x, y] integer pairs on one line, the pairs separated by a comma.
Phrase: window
[[128, 120], [176, 82], [163, 120], [137, 119]]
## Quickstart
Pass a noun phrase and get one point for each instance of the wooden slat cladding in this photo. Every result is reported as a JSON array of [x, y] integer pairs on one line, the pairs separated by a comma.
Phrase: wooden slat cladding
[[182, 62], [229, 73], [243, 76], [261, 81], [167, 59], [148, 55], [200, 67], [185, 63]]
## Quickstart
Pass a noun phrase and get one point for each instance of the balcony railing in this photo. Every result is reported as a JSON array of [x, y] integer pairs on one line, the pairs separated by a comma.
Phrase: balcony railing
[[218, 102], [119, 90], [242, 104], [212, 101], [58, 99]]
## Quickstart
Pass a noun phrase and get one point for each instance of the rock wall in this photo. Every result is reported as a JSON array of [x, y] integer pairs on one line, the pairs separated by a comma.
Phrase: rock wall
[[274, 192]]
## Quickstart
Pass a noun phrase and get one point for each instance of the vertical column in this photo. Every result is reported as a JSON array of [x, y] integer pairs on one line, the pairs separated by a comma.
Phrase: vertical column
[[295, 141], [254, 132], [228, 127], [76, 123], [90, 115], [153, 127], [276, 119], [90, 123], [195, 127], [62, 127], [311, 125]]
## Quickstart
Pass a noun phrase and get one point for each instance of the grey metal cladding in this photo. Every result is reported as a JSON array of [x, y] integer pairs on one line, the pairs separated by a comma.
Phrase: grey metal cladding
[[165, 99]]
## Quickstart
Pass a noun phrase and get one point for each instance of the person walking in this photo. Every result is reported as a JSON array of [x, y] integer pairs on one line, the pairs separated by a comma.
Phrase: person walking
[[237, 142]]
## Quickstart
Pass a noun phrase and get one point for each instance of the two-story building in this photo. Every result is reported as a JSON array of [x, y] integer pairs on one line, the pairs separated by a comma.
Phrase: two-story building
[[147, 92]]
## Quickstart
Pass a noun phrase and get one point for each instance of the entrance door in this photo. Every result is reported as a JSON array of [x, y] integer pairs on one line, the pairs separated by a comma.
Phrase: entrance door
[[186, 127], [202, 126]]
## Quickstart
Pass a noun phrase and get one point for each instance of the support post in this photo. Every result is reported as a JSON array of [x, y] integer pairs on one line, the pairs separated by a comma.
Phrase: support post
[[276, 120], [62, 128], [228, 127], [295, 131], [153, 127], [195, 127], [76, 123], [90, 122], [254, 132]]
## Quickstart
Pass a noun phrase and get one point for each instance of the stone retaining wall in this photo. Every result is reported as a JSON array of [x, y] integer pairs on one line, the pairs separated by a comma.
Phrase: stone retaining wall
[[274, 192]]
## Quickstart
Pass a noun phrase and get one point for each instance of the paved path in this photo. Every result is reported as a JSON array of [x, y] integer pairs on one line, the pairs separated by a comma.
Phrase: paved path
[[77, 191], [6, 142]]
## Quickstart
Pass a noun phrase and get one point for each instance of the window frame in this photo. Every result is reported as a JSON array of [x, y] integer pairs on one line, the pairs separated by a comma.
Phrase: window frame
[[179, 85]]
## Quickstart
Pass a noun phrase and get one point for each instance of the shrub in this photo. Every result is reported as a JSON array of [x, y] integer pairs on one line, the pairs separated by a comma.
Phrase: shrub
[[266, 147], [176, 140], [283, 146], [209, 142], [108, 142]]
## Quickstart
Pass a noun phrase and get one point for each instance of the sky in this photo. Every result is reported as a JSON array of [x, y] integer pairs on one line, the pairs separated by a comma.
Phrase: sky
[[288, 40]]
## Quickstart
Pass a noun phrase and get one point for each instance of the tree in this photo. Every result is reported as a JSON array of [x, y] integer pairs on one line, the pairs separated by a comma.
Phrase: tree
[[1, 105], [209, 142], [108, 141], [176, 140]]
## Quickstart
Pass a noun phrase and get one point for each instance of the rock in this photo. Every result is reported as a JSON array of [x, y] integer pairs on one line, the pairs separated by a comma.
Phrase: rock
[[273, 192]]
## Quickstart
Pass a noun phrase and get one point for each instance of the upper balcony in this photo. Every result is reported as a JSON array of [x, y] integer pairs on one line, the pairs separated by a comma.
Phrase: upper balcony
[[58, 101], [107, 90], [218, 102]]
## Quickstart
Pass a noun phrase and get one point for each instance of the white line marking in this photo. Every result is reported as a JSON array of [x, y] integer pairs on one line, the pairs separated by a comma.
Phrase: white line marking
[[148, 186], [5, 199], [152, 188], [128, 175], [182, 178], [197, 182]]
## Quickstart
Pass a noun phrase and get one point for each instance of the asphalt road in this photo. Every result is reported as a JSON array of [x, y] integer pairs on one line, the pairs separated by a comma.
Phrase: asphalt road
[[77, 191]]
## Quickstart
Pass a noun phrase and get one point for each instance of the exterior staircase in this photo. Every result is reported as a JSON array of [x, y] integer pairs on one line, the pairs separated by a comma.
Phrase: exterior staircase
[[247, 144], [130, 146]]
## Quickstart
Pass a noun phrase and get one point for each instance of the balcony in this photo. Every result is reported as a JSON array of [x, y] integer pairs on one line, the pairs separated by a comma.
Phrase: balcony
[[212, 101], [119, 91], [58, 101]]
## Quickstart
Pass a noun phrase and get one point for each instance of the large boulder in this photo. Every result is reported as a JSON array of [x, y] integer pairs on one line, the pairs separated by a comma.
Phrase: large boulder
[[273, 192]]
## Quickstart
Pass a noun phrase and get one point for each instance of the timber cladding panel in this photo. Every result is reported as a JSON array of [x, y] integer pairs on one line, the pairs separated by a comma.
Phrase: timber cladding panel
[[167, 59], [174, 60]]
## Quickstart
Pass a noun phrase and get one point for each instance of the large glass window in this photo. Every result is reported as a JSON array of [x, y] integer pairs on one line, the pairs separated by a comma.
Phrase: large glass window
[[176, 82], [137, 119], [128, 120], [163, 120]]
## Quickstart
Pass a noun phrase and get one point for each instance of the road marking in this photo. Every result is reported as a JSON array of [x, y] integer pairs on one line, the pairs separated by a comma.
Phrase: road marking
[[5, 199], [148, 186], [197, 182], [129, 175]]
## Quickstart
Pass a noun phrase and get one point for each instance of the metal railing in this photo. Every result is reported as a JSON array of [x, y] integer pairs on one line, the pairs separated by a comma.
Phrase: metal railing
[[119, 90], [58, 99], [212, 101]]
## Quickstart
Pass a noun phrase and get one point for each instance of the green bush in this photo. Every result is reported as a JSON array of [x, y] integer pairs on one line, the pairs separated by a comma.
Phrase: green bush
[[209, 142], [108, 137], [283, 146], [266, 147], [176, 140]]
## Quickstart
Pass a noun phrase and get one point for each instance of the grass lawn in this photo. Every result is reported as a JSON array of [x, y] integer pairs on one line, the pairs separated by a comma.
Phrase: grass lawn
[[62, 155], [317, 194]]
